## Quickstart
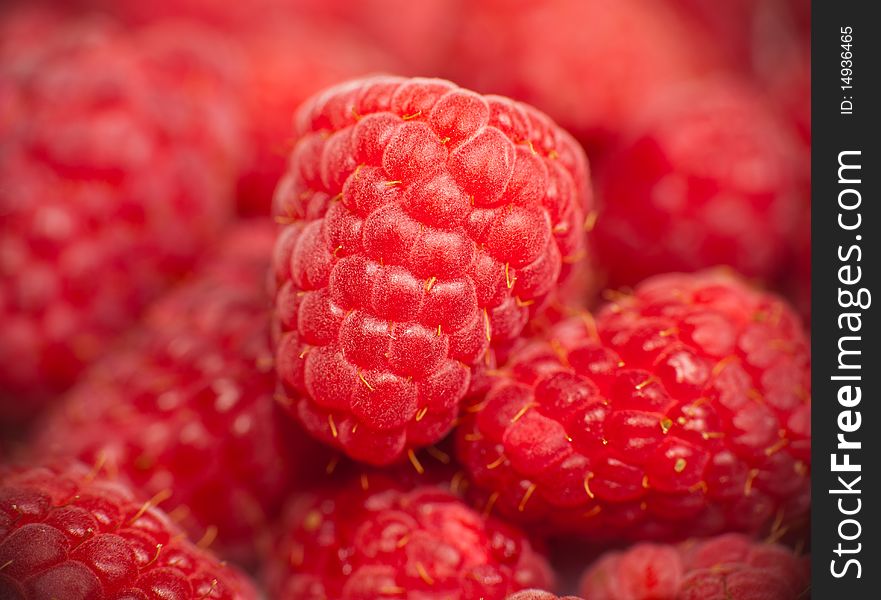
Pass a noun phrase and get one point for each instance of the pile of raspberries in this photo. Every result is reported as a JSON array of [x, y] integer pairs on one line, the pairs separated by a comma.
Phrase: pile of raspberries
[[289, 315]]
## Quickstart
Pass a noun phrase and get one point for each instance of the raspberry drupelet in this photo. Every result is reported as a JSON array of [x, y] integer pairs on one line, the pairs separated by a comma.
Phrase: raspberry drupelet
[[184, 408], [681, 410], [371, 537], [727, 567], [117, 166], [423, 224], [66, 533]]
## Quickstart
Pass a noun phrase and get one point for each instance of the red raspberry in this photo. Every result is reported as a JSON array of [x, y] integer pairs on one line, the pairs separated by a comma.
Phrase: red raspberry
[[117, 165], [184, 409], [67, 534], [590, 64], [728, 567], [423, 224], [288, 61], [372, 538], [684, 409], [709, 180]]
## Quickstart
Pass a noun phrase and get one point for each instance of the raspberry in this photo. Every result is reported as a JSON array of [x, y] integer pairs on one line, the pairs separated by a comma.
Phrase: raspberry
[[738, 28], [682, 410], [117, 165], [372, 538], [728, 567], [184, 409], [710, 180], [288, 61], [65, 533], [565, 57], [424, 224]]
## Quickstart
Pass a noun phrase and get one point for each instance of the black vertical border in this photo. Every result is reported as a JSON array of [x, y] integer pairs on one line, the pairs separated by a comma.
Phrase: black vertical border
[[832, 133]]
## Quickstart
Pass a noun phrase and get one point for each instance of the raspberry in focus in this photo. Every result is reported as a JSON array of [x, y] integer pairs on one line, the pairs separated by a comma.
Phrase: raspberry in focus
[[423, 224], [681, 410]]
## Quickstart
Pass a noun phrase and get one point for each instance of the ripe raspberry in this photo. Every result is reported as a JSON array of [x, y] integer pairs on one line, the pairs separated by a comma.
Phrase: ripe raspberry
[[374, 539], [423, 224], [710, 180], [116, 168], [728, 567], [682, 410], [184, 409], [590, 64], [288, 61], [66, 534]]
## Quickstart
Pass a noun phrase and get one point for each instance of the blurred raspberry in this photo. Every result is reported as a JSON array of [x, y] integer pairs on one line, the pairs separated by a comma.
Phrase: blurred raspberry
[[710, 178], [184, 408], [222, 15], [373, 538], [728, 567], [746, 33], [590, 64], [67, 534], [117, 165], [288, 61], [418, 34], [797, 283], [423, 224], [682, 410]]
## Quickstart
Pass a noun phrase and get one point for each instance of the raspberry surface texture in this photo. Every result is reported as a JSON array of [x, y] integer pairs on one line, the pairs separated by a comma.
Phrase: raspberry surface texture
[[423, 224], [681, 410], [184, 409], [67, 534], [373, 538], [117, 166], [566, 58], [710, 179], [727, 567]]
